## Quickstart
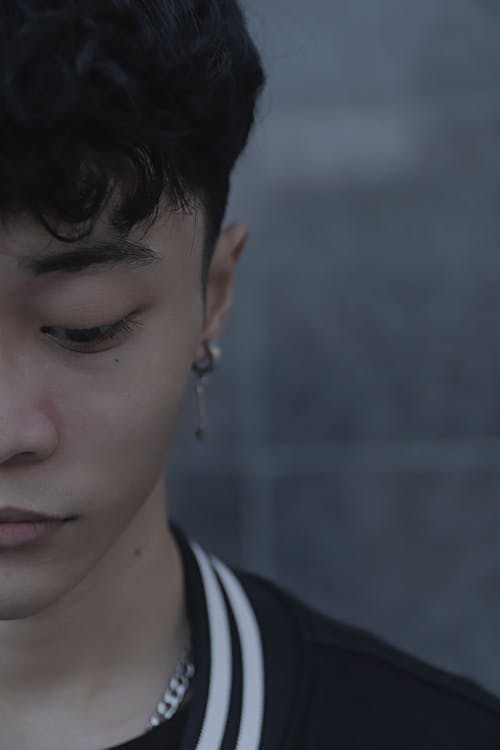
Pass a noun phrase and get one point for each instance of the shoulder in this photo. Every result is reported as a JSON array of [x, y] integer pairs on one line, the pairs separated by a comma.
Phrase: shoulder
[[352, 688]]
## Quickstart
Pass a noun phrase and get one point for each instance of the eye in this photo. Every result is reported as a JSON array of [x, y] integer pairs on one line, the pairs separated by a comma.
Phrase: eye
[[84, 339]]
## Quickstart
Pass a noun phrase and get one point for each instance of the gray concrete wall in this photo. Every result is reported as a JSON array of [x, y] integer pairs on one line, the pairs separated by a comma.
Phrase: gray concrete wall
[[353, 453]]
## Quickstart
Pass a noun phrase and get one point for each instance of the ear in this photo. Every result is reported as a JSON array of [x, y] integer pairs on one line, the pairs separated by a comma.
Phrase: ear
[[228, 249]]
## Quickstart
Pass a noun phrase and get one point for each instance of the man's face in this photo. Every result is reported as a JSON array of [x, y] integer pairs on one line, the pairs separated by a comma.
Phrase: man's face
[[85, 430]]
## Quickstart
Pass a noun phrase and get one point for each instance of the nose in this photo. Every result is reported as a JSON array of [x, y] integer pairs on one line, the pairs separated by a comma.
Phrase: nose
[[28, 424], [27, 434]]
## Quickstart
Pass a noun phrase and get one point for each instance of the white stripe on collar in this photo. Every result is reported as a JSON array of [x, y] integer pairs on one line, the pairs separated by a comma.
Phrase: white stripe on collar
[[252, 710], [219, 689], [220, 684]]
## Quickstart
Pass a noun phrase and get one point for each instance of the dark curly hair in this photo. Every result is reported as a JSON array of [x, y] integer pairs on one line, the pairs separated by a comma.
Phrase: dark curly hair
[[154, 97]]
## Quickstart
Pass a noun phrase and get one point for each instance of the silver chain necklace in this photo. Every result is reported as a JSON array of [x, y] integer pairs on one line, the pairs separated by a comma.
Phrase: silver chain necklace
[[173, 695]]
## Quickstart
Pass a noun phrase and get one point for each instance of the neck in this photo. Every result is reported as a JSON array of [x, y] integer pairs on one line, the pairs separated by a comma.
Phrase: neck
[[110, 644]]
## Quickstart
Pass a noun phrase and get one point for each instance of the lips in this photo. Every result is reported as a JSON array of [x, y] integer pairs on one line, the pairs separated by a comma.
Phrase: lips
[[26, 533]]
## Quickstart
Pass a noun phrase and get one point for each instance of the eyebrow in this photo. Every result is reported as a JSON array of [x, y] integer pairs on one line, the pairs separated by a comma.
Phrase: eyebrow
[[99, 253]]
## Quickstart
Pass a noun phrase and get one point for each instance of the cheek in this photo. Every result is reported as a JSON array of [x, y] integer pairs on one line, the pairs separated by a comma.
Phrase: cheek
[[129, 419], [117, 433]]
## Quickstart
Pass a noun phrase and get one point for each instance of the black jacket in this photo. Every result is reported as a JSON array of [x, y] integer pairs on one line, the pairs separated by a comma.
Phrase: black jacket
[[274, 674]]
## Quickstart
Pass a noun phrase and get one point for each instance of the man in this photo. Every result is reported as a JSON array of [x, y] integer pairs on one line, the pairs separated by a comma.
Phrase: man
[[120, 124]]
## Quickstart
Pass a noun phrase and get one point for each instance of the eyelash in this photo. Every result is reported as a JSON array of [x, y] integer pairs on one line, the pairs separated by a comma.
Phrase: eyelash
[[97, 335]]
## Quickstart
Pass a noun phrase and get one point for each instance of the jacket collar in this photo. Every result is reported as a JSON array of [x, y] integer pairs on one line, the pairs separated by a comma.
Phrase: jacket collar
[[229, 691], [246, 653]]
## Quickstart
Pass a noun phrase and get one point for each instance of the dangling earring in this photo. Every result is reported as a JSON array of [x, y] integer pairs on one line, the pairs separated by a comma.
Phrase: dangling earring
[[207, 365]]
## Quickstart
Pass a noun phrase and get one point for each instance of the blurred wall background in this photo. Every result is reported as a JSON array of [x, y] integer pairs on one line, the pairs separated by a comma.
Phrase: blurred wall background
[[353, 452]]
